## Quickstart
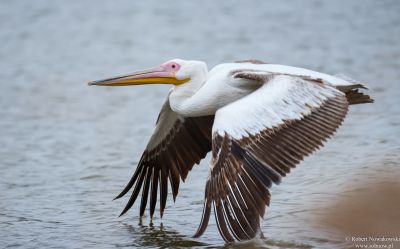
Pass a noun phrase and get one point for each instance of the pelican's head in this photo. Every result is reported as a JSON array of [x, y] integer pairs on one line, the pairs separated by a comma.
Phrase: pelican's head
[[176, 72]]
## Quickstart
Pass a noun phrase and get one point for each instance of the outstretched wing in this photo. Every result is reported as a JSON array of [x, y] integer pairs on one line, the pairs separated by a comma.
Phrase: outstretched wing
[[258, 139], [175, 146]]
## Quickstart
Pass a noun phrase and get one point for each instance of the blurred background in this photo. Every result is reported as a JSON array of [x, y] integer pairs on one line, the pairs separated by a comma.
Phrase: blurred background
[[67, 149]]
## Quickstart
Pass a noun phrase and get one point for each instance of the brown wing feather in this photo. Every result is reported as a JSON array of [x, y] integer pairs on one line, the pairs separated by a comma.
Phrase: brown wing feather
[[244, 169]]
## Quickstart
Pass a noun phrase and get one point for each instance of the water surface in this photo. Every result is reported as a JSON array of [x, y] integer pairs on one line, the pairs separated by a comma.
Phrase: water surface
[[67, 149]]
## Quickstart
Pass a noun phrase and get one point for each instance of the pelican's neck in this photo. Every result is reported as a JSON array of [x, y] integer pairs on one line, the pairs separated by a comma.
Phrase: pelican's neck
[[186, 99]]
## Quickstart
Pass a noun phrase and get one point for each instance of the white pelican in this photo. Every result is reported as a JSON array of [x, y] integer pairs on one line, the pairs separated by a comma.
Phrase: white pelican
[[260, 120]]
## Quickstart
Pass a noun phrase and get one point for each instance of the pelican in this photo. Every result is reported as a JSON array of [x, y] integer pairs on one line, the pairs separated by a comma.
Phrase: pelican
[[258, 119]]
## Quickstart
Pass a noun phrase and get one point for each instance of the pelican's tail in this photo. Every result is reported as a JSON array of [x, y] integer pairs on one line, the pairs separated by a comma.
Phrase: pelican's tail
[[354, 96]]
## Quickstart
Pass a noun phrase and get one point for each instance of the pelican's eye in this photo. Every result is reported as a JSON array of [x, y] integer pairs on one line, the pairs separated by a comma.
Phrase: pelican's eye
[[173, 66]]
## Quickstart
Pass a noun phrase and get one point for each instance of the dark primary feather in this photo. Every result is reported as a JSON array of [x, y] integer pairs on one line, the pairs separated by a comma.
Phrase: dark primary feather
[[188, 141]]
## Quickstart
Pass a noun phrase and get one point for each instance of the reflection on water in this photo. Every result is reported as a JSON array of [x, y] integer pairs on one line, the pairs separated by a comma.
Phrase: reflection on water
[[161, 237], [167, 237], [67, 149]]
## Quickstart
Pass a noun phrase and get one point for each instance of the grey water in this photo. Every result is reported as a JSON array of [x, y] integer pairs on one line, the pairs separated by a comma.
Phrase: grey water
[[66, 149]]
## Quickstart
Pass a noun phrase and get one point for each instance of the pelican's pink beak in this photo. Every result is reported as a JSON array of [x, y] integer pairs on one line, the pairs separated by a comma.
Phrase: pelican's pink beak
[[164, 74]]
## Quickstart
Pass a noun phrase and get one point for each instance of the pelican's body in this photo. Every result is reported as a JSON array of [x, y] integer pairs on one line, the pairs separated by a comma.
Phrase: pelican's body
[[260, 120], [215, 89]]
